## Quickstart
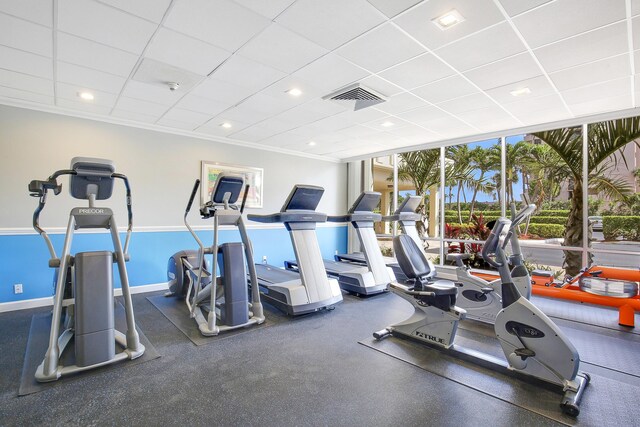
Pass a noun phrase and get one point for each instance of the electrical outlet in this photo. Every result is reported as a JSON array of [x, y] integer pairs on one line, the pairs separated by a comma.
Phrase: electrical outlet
[[264, 259], [17, 288]]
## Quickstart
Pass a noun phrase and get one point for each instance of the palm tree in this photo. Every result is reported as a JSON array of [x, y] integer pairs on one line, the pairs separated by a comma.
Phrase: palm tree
[[604, 141], [422, 168], [482, 162], [460, 172], [543, 172]]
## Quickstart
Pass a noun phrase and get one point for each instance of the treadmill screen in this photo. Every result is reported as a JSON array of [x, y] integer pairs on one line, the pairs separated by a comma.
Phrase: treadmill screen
[[303, 197]]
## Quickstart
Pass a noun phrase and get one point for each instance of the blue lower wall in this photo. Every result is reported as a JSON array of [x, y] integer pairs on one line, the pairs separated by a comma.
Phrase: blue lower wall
[[24, 258]]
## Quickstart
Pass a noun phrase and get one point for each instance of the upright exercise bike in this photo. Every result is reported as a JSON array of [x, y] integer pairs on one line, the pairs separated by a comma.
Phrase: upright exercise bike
[[87, 276], [534, 347], [481, 299], [218, 303]]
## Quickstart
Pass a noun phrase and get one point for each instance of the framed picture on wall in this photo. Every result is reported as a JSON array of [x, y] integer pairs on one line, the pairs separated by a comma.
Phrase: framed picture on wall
[[252, 176]]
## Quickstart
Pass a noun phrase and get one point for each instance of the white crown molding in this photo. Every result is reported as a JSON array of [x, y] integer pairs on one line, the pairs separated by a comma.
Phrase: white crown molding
[[576, 121], [148, 126]]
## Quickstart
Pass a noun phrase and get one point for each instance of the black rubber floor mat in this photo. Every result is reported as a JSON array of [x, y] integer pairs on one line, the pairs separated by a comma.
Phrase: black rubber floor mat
[[39, 341], [176, 311], [605, 402]]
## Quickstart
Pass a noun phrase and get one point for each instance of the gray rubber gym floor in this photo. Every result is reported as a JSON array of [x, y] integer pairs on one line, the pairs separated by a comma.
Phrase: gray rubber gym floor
[[304, 371]]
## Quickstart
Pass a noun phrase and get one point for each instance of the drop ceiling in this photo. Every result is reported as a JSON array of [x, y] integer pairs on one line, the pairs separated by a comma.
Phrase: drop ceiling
[[237, 60]]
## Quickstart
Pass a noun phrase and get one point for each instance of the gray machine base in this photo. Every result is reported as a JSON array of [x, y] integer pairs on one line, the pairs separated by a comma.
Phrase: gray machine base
[[37, 346], [363, 290], [297, 310]]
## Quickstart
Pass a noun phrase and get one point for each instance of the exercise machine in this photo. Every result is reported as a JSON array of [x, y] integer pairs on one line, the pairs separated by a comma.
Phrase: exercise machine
[[407, 217], [368, 278], [87, 277], [218, 303], [536, 350], [309, 289], [482, 299]]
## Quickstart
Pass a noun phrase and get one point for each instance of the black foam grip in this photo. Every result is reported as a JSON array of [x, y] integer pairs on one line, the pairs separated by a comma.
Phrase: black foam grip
[[193, 194], [244, 197]]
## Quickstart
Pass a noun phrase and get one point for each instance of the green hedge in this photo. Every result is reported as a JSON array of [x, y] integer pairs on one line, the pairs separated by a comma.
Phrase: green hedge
[[561, 220], [545, 213], [466, 213], [546, 231], [454, 219], [556, 212], [625, 227]]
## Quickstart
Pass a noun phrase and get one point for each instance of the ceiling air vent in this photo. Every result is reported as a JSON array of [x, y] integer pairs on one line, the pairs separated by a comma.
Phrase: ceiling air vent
[[356, 97]]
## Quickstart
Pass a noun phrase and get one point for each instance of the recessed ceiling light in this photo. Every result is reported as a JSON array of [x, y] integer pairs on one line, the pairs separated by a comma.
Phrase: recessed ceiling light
[[520, 92], [387, 124], [448, 20], [226, 125], [294, 92], [311, 143], [87, 96]]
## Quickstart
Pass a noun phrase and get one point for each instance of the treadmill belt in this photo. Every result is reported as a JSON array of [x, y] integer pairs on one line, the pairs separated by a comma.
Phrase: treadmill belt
[[272, 275]]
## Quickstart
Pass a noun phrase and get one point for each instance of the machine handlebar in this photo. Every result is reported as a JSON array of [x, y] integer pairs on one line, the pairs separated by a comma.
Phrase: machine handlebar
[[193, 195], [491, 246], [522, 215], [244, 198]]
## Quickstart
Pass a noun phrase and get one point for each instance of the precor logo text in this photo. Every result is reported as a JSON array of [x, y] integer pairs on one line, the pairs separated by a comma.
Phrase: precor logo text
[[90, 211]]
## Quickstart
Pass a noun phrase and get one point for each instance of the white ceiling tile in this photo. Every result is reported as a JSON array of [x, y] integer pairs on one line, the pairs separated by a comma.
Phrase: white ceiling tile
[[365, 115], [636, 59], [138, 117], [598, 44], [418, 72], [82, 106], [526, 105], [185, 52], [486, 46], [267, 104], [330, 72], [380, 48], [358, 131], [515, 7], [332, 123], [214, 126], [92, 79], [276, 125], [280, 90], [201, 105], [152, 10], [89, 54], [152, 93], [400, 103], [544, 116], [243, 114], [24, 35], [286, 138], [608, 89], [635, 7], [414, 134], [176, 124], [301, 115], [423, 115], [325, 107], [448, 126], [330, 23], [539, 86], [26, 82], [471, 102], [486, 119], [393, 7], [223, 23], [140, 106], [160, 74], [221, 91], [187, 116], [247, 73], [23, 95], [594, 72], [386, 123], [564, 18], [380, 85], [269, 9], [70, 93], [38, 11], [635, 25], [25, 62], [600, 105], [253, 133], [104, 24], [282, 49], [508, 70], [478, 14], [445, 89]]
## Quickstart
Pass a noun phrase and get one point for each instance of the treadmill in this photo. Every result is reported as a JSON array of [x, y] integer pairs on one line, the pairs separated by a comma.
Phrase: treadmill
[[373, 276], [406, 216], [309, 289]]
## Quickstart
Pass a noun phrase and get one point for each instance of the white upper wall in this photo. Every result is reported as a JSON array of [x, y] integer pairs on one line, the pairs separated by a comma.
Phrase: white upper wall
[[161, 168]]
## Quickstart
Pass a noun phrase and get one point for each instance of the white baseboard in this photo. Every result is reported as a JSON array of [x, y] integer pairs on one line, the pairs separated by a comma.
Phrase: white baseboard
[[47, 301]]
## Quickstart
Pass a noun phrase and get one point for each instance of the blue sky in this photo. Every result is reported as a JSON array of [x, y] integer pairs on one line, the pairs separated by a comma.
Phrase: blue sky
[[517, 188]]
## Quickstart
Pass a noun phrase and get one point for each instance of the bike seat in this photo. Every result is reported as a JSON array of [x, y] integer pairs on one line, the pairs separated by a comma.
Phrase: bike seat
[[441, 287], [410, 258]]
